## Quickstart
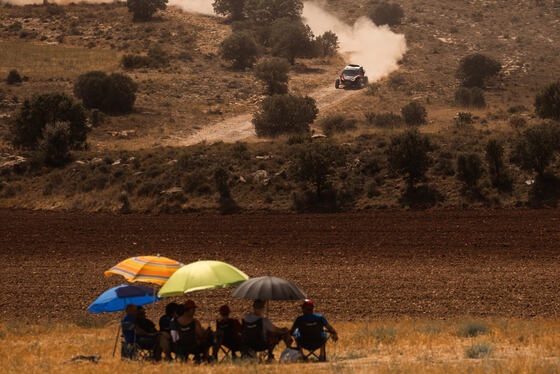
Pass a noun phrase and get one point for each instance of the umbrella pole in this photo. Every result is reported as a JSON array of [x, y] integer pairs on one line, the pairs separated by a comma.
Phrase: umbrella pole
[[267, 308], [116, 339]]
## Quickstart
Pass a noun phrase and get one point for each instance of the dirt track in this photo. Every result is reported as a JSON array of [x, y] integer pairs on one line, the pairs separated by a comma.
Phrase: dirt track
[[436, 264], [240, 127]]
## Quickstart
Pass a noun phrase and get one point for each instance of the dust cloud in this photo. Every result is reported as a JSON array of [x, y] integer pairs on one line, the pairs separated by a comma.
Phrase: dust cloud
[[195, 6], [378, 49]]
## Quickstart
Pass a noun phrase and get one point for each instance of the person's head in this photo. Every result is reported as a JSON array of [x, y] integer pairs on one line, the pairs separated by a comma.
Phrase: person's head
[[180, 310], [307, 307], [131, 310], [190, 307], [140, 312], [171, 309], [224, 311], [258, 307]]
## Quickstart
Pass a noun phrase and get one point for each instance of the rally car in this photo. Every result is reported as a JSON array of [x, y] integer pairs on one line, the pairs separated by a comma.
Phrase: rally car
[[352, 76]]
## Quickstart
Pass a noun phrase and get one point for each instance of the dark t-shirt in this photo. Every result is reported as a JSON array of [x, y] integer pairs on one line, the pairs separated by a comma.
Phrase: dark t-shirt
[[309, 318], [165, 323], [146, 325], [129, 333]]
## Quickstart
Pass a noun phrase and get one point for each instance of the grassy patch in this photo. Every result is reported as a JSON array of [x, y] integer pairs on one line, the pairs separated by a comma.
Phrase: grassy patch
[[43, 61], [480, 350], [470, 329]]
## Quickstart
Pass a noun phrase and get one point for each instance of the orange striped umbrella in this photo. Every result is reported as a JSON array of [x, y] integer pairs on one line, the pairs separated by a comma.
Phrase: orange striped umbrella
[[150, 269]]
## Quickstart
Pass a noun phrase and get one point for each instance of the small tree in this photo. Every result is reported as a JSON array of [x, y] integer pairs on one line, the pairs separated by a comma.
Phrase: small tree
[[408, 155], [414, 114], [537, 147], [284, 114], [265, 12], [13, 77], [38, 112], [55, 145], [143, 10], [475, 69], [314, 163], [291, 39], [499, 175], [226, 202], [240, 48], [469, 170], [115, 93], [327, 44], [387, 14], [470, 97], [547, 102], [274, 73], [229, 8]]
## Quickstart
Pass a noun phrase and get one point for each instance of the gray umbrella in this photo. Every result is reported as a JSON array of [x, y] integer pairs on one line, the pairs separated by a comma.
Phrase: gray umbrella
[[268, 288]]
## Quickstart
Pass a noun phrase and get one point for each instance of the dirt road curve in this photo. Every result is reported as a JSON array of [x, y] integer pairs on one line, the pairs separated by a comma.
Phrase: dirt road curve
[[386, 264], [240, 127]]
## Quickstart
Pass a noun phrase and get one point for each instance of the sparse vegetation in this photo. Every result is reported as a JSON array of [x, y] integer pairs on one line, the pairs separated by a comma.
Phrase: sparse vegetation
[[241, 49], [274, 74], [337, 124], [414, 114], [143, 10], [386, 13], [480, 350], [470, 97], [500, 177], [474, 70], [469, 170], [284, 114], [408, 155], [115, 93], [547, 102]]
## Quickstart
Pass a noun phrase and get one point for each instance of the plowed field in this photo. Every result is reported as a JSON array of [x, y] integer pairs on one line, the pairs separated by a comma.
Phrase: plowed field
[[436, 264]]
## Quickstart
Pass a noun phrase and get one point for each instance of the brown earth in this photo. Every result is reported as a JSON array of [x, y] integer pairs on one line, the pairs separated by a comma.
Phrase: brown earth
[[434, 264]]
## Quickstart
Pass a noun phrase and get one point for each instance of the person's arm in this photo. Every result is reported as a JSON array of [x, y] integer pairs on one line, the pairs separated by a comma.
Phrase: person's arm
[[332, 331], [198, 330], [269, 327], [294, 327], [140, 331]]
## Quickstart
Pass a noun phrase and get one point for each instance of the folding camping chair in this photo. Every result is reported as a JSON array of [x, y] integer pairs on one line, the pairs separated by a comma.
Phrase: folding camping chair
[[254, 341], [311, 338], [131, 349], [187, 345], [228, 344]]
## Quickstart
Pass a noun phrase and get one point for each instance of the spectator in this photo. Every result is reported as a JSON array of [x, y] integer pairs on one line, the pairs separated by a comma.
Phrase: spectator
[[228, 332], [165, 323]]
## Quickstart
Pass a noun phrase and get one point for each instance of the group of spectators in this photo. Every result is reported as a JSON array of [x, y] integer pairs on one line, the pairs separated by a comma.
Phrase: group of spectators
[[180, 334]]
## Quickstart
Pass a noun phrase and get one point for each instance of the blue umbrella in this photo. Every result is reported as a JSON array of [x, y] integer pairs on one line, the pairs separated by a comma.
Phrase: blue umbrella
[[117, 298]]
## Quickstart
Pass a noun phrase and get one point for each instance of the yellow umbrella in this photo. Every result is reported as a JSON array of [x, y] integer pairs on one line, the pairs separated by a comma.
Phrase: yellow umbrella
[[149, 269]]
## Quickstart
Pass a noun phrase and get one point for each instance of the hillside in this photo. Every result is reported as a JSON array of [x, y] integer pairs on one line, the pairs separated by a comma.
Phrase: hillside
[[139, 158]]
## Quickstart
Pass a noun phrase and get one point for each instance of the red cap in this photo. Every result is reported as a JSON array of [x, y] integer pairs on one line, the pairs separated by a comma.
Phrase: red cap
[[189, 304], [308, 304], [224, 309]]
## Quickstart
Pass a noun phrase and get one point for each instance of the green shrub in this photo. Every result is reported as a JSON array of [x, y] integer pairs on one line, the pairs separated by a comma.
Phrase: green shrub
[[36, 113], [337, 123], [464, 118], [517, 123], [470, 97], [291, 39], [115, 93], [414, 114], [55, 145], [240, 48], [274, 73], [408, 155], [499, 175], [479, 350], [387, 14], [226, 203], [265, 12], [155, 58], [547, 102], [469, 169], [326, 44], [143, 10], [13, 77], [231, 8], [284, 114], [537, 147], [475, 69]]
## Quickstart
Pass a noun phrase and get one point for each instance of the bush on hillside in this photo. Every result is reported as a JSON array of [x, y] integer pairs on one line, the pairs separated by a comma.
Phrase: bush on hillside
[[274, 74], [547, 102], [414, 114], [385, 120], [240, 49], [155, 58], [326, 45], [284, 114], [291, 39], [233, 9], [469, 170], [387, 14], [265, 12], [36, 113], [143, 10], [470, 97], [226, 203], [537, 147], [337, 123], [114, 94], [499, 175], [408, 156], [55, 144], [475, 69], [13, 77]]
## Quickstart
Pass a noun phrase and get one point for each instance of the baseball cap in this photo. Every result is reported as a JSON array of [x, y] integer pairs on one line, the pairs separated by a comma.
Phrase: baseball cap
[[308, 304], [189, 304], [224, 309]]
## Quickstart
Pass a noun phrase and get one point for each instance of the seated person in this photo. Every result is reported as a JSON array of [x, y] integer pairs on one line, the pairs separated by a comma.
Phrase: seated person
[[133, 325], [309, 330], [271, 335], [228, 332], [165, 323], [188, 335]]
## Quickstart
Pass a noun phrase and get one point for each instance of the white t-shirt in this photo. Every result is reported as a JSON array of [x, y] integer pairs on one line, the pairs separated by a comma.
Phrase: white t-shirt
[[267, 325]]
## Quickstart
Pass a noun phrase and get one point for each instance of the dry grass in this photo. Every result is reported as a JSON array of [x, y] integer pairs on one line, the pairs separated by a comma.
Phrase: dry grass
[[384, 346], [44, 61]]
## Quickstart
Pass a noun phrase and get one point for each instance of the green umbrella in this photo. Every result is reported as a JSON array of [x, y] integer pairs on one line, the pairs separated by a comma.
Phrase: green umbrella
[[202, 275]]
